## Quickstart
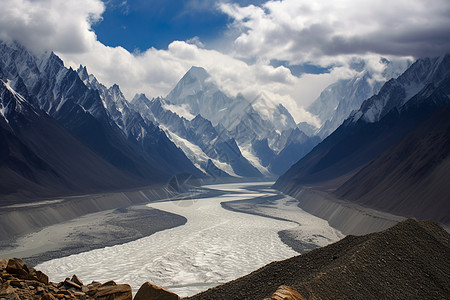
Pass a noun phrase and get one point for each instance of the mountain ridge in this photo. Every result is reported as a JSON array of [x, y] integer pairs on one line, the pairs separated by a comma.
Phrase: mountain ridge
[[93, 138], [383, 121]]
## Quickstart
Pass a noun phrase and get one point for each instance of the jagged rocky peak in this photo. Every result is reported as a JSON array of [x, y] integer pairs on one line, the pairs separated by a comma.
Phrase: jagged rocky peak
[[15, 60], [194, 81], [53, 60], [89, 79], [198, 93], [115, 88], [192, 89], [140, 98], [141, 104], [83, 73]]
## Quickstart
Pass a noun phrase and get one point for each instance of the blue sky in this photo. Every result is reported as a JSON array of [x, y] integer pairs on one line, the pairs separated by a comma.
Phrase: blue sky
[[139, 24]]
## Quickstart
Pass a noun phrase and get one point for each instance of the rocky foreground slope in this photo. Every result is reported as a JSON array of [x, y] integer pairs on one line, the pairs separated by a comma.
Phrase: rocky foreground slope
[[19, 281], [408, 261]]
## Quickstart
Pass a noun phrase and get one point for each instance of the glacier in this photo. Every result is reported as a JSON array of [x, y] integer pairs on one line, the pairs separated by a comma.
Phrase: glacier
[[214, 246]]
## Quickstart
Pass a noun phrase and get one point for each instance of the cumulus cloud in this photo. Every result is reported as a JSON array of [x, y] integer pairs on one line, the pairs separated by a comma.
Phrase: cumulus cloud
[[315, 31], [63, 26]]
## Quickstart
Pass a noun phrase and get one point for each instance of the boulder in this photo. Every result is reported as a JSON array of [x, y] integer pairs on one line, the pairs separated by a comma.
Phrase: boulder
[[41, 277], [17, 267], [150, 291], [3, 263], [109, 283], [286, 293], [70, 284], [114, 292], [76, 280]]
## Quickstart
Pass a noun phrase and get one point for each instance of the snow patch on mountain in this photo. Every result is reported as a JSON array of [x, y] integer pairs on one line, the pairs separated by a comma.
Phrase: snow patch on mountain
[[196, 154], [246, 151], [18, 97], [274, 112]]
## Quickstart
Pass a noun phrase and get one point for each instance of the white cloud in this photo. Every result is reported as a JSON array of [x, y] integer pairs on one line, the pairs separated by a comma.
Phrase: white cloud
[[313, 31], [63, 26], [196, 41]]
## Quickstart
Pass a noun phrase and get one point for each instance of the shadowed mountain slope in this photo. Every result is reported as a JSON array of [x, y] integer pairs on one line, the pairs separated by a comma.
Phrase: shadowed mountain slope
[[412, 178], [40, 158]]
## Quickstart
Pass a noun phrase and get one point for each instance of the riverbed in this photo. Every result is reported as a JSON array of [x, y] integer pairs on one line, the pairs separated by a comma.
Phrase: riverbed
[[215, 245]]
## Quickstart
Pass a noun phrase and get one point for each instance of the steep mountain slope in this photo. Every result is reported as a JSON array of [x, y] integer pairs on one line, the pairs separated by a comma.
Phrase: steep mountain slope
[[297, 145], [339, 99], [411, 178], [140, 132], [39, 158], [382, 121], [61, 93], [408, 261]]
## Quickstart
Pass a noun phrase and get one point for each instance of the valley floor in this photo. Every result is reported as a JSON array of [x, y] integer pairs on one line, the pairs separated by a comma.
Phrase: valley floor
[[214, 245], [92, 231]]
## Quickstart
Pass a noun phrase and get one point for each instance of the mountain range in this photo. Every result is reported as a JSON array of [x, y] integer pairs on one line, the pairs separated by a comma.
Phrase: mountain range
[[62, 139], [197, 130], [383, 145]]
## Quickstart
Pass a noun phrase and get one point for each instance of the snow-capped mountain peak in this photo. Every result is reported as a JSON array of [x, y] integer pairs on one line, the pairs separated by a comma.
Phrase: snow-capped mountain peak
[[198, 74], [338, 100], [398, 92], [274, 112], [83, 73]]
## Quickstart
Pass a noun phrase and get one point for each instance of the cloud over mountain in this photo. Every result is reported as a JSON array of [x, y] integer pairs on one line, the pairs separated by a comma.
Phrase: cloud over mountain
[[63, 26], [328, 34]]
